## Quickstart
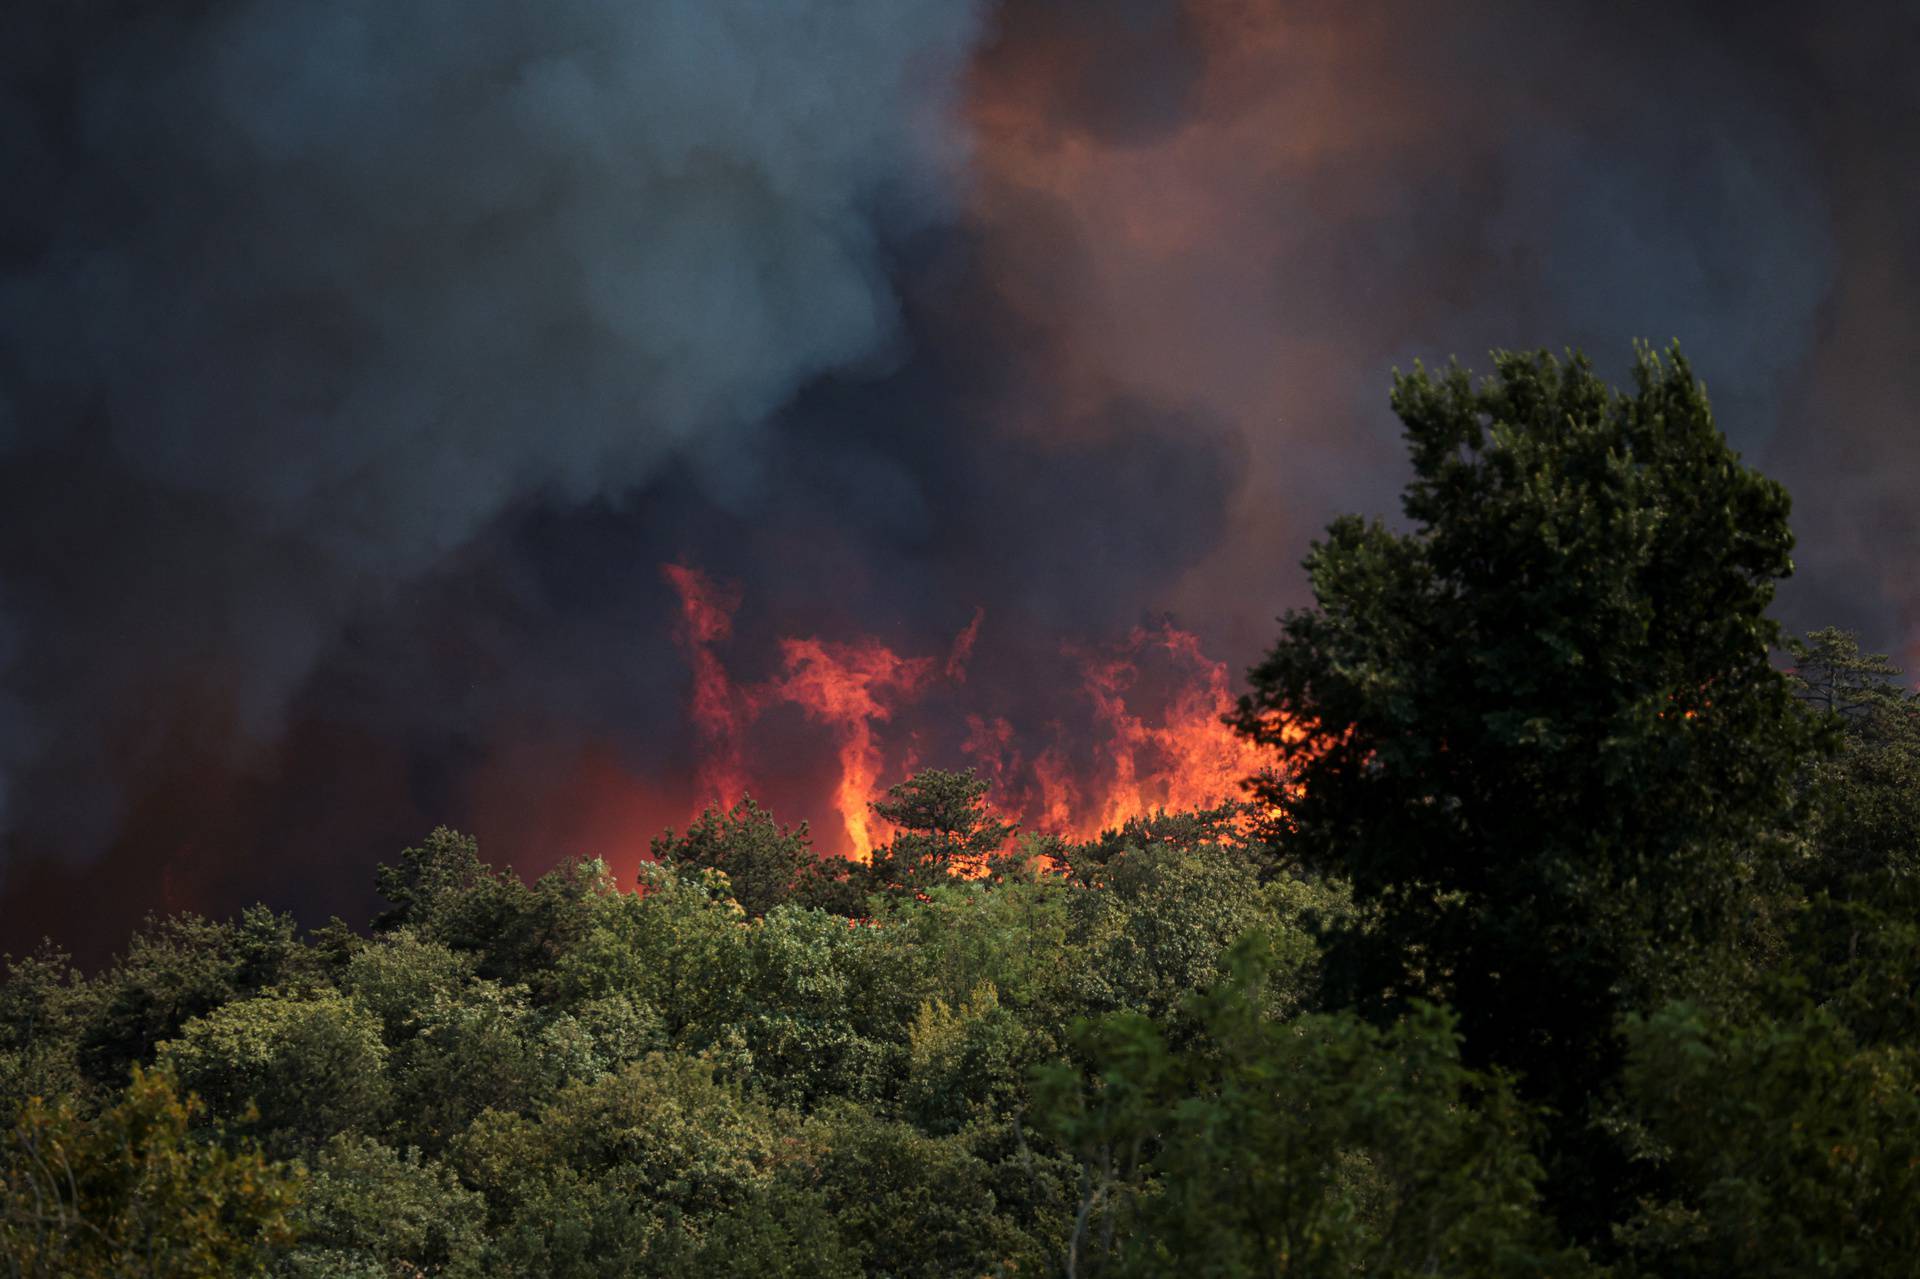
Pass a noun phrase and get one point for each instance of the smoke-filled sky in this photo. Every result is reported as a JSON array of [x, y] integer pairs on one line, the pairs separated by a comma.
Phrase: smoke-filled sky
[[362, 364]]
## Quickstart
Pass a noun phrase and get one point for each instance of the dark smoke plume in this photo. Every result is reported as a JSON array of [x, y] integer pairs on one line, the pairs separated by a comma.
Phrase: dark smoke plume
[[360, 366], [297, 299]]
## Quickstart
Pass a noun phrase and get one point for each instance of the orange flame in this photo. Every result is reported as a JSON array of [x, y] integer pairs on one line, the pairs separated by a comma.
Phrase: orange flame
[[1157, 702], [1190, 759], [850, 686], [706, 612], [962, 651], [1058, 794], [1180, 756]]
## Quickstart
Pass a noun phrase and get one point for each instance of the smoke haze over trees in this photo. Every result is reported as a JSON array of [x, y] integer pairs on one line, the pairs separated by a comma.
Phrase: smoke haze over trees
[[783, 495], [1565, 934], [360, 368]]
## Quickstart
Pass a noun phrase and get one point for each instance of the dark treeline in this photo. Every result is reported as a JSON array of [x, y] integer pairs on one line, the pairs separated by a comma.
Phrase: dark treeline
[[1574, 932]]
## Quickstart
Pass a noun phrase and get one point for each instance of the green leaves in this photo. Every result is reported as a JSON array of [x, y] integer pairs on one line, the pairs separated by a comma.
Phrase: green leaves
[[1549, 734], [1793, 1148], [371, 1210], [764, 861], [944, 823], [1312, 1146], [306, 1065], [134, 1193]]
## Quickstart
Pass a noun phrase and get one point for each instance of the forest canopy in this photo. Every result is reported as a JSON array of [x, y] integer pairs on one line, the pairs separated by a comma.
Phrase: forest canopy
[[1573, 932]]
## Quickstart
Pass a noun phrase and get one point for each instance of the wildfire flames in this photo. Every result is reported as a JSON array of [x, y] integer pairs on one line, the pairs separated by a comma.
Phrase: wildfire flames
[[851, 687], [707, 619], [1155, 701]]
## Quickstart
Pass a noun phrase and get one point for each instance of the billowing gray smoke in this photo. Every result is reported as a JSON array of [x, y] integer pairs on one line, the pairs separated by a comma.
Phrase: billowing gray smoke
[[360, 365], [296, 296]]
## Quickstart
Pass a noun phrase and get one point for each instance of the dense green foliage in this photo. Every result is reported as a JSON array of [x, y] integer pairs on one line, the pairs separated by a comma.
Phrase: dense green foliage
[[1551, 736], [565, 1078], [1579, 936], [130, 1190]]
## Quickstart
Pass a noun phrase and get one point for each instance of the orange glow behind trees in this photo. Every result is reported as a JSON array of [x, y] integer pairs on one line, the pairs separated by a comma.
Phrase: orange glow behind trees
[[1156, 702], [707, 619], [1191, 759], [851, 687]]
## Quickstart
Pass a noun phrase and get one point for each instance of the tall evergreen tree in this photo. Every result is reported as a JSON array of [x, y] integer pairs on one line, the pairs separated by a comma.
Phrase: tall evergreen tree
[[944, 820]]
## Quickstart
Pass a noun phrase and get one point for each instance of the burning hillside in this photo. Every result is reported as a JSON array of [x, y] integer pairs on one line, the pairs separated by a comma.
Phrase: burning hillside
[[1148, 733]]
